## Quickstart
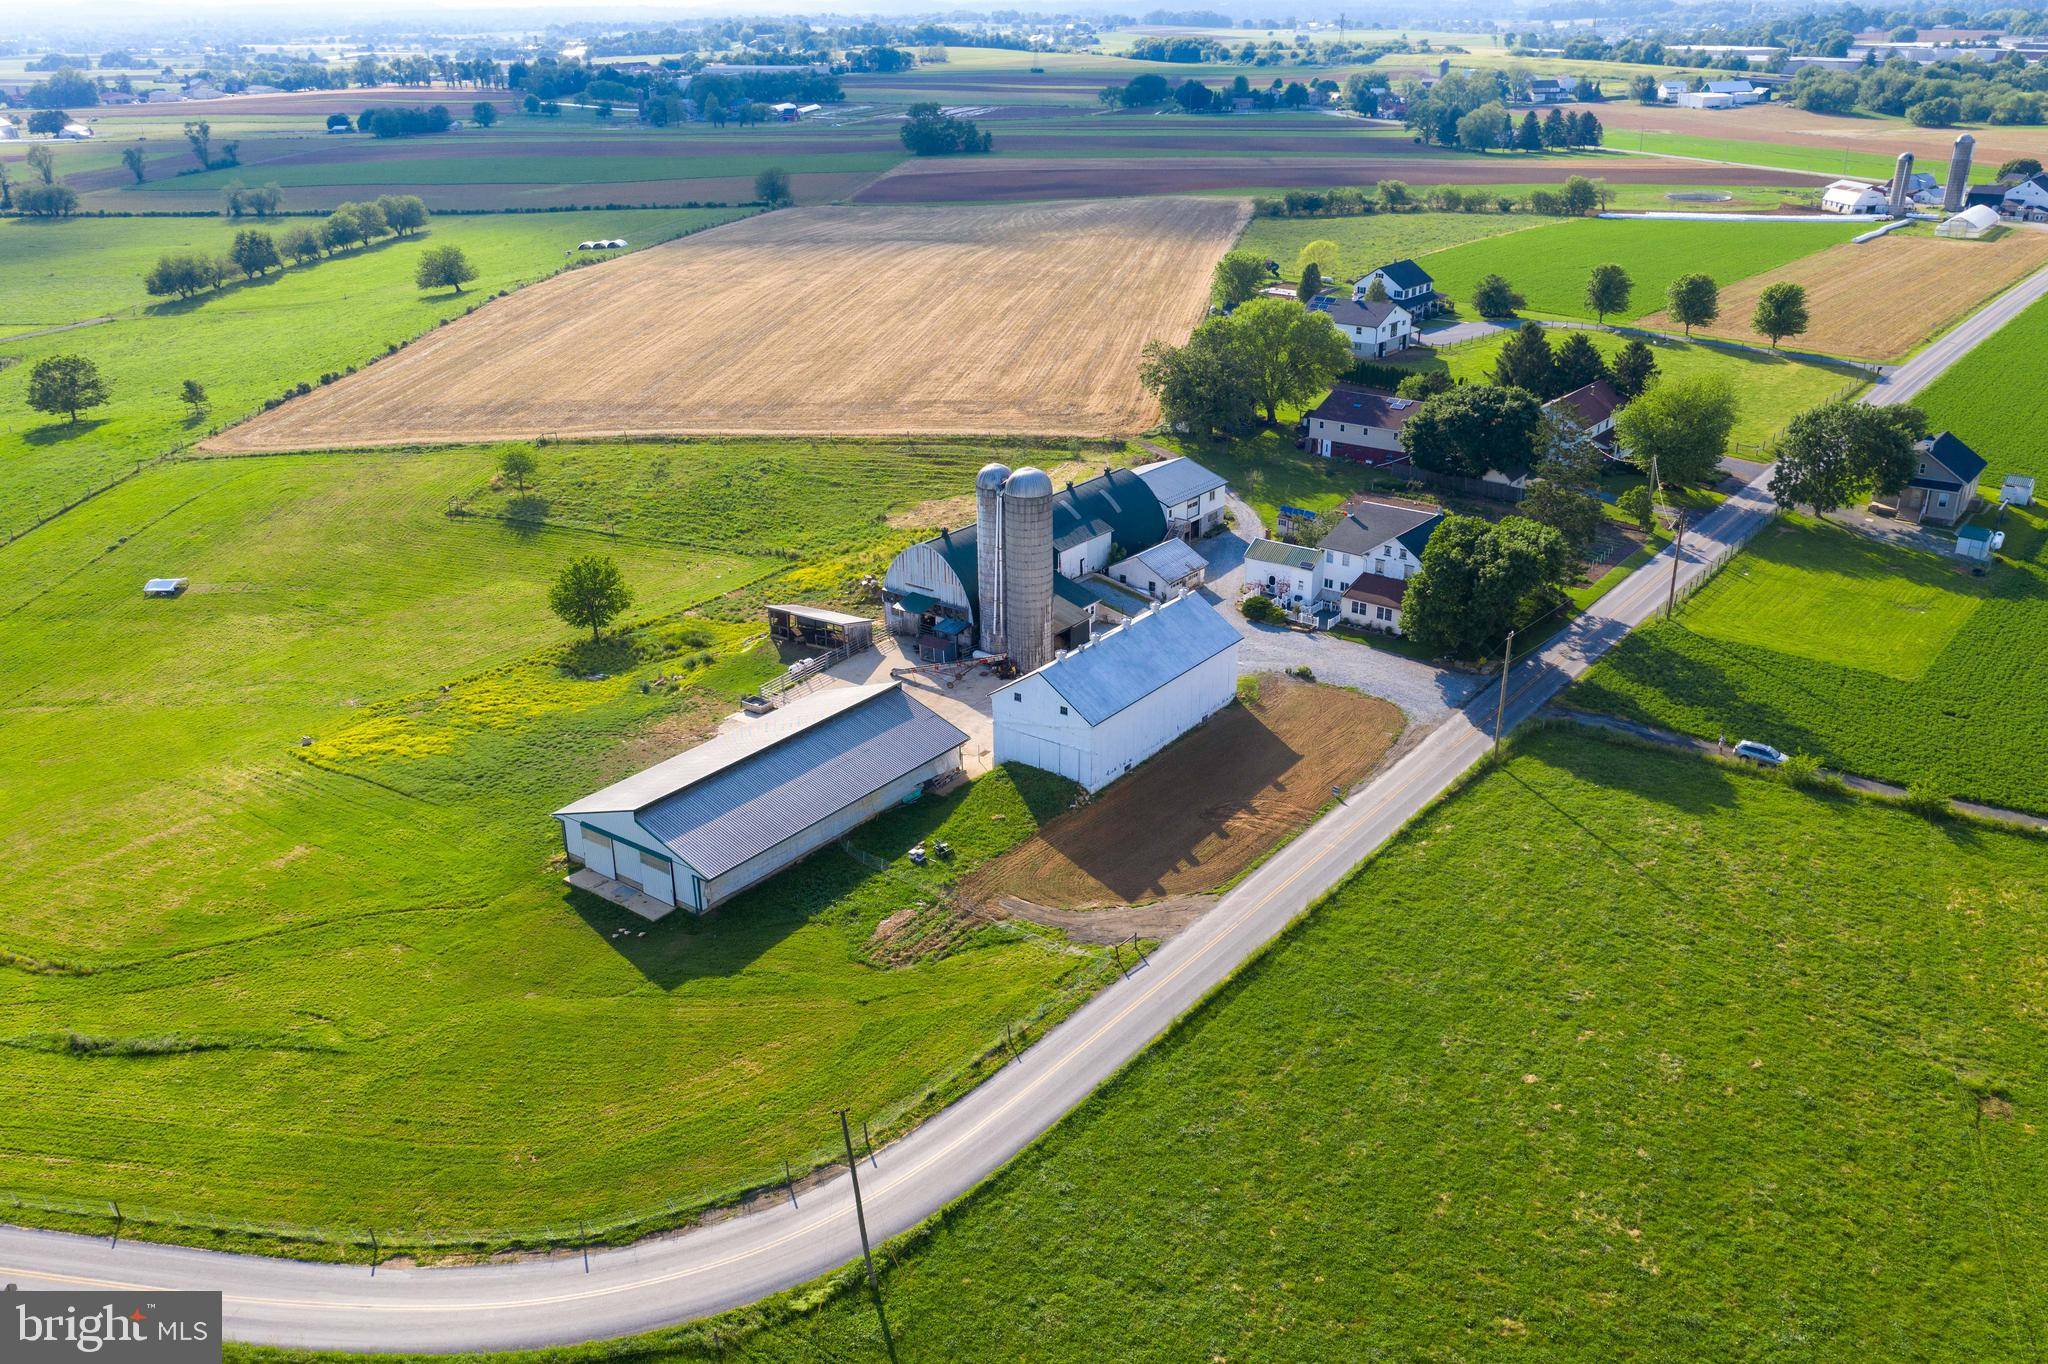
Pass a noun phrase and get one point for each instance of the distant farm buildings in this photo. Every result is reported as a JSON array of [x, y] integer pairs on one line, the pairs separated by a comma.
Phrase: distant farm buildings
[[697, 830]]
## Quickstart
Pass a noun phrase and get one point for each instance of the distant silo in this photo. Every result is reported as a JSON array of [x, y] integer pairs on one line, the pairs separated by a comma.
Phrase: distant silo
[[1027, 568], [1902, 184], [1958, 175], [988, 555]]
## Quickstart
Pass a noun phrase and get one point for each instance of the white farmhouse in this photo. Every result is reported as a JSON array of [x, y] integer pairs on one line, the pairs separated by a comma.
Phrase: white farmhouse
[[698, 829], [2027, 199], [1095, 713], [1284, 572], [1373, 329], [1853, 196], [1406, 283], [1382, 536]]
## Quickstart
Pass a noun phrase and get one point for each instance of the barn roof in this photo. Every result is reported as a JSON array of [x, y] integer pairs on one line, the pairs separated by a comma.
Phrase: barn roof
[[1114, 671], [746, 791], [1117, 497]]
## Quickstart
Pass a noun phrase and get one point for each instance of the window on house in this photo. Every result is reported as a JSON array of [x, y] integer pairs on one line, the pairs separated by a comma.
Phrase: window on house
[[1063, 710], [1016, 696], [1386, 613]]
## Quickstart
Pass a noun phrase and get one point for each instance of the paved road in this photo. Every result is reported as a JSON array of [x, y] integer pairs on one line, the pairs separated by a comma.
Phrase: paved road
[[654, 1283], [1903, 384]]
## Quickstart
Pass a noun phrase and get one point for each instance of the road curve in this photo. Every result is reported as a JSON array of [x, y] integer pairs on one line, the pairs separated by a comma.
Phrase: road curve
[[560, 1300]]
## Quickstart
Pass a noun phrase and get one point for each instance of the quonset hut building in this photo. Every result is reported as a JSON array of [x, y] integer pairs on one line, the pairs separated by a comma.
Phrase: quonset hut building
[[1025, 580]]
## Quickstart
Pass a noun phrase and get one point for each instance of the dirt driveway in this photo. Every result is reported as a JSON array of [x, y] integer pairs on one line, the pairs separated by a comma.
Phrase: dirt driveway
[[1206, 809]]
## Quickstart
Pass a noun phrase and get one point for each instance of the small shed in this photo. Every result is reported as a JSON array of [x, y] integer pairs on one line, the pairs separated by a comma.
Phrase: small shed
[[163, 587], [1971, 222], [820, 628], [1978, 542], [1163, 571], [2016, 490]]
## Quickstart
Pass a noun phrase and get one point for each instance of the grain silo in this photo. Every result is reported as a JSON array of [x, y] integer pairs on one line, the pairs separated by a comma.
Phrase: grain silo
[[988, 555], [1027, 568], [1958, 174], [1902, 184]]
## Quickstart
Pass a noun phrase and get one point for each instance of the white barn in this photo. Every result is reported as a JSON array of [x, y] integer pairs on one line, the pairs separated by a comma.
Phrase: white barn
[[1853, 196], [1094, 714], [696, 830]]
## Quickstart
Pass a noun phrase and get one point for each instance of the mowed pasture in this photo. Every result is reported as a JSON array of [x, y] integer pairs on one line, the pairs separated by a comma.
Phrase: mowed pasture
[[1927, 284], [1614, 1054], [1889, 662], [1790, 128], [1994, 398], [1549, 265], [836, 320]]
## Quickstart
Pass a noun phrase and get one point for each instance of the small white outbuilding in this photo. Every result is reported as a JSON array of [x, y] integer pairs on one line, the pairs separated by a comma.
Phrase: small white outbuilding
[[1095, 713], [1974, 221]]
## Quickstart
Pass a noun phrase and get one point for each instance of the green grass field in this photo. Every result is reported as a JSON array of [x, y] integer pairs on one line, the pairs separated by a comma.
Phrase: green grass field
[[1994, 399], [1583, 1066], [1769, 389], [1782, 155], [1549, 265], [245, 344], [531, 170], [1887, 662], [1370, 242], [356, 956]]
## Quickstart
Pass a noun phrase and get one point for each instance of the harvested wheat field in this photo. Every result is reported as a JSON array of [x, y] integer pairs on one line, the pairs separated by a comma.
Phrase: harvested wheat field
[[978, 320], [1206, 809], [1884, 299]]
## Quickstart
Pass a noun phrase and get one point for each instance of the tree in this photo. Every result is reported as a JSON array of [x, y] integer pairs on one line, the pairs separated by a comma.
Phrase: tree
[[590, 591], [1237, 277], [44, 163], [1693, 300], [403, 213], [199, 136], [1780, 312], [1581, 196], [342, 228], [1394, 195], [340, 123], [1575, 516], [1322, 253], [1495, 297], [1485, 128], [2019, 168], [1633, 369], [484, 112], [1200, 387], [1578, 363], [1475, 578], [1474, 428], [65, 87], [301, 243], [1830, 455], [1607, 290], [131, 157], [69, 384], [183, 273], [1643, 90], [48, 122], [444, 267], [1424, 385], [254, 253], [1526, 362], [1681, 425], [1376, 292], [1638, 506], [1529, 134], [1287, 353], [1554, 129], [1311, 282], [192, 393], [47, 201], [771, 187], [518, 466], [1940, 112], [6, 190]]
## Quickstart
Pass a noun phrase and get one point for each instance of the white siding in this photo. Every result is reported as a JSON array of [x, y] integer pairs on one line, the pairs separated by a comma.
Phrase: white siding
[[1090, 556], [1032, 731], [921, 568], [624, 851]]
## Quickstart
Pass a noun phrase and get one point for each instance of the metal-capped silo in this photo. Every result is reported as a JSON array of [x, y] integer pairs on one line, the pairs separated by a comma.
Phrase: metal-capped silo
[[1958, 175], [1027, 568], [988, 555]]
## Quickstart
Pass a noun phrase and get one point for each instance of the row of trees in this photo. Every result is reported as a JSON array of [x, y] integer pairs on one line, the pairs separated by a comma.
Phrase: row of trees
[[1491, 127], [931, 132], [1576, 197], [254, 253]]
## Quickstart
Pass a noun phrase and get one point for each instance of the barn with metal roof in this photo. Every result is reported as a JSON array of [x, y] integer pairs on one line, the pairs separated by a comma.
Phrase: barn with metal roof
[[698, 829], [1097, 712]]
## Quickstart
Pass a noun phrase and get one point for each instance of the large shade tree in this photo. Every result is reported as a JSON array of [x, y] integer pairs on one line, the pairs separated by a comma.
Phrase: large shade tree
[[1830, 455], [1474, 428], [1476, 579], [1680, 426]]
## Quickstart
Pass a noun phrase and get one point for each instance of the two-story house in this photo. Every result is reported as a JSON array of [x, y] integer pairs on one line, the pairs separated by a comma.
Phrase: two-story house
[[1359, 424], [1373, 329], [1592, 410], [1944, 482], [1407, 284], [1192, 497], [2026, 199], [1368, 557]]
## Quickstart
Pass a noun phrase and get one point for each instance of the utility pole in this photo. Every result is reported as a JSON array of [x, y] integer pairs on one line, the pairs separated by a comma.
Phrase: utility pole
[[860, 1216], [1500, 716], [1677, 558]]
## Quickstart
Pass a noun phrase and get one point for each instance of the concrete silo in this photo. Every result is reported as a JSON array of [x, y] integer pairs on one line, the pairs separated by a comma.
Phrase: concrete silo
[[1902, 184], [988, 556], [1958, 175], [1027, 568]]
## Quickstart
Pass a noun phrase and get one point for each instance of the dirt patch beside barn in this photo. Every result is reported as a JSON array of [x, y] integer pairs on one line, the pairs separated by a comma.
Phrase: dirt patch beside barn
[[1203, 812]]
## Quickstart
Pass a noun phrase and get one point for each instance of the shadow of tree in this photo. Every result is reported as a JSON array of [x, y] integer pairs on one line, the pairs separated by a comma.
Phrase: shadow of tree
[[54, 432]]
